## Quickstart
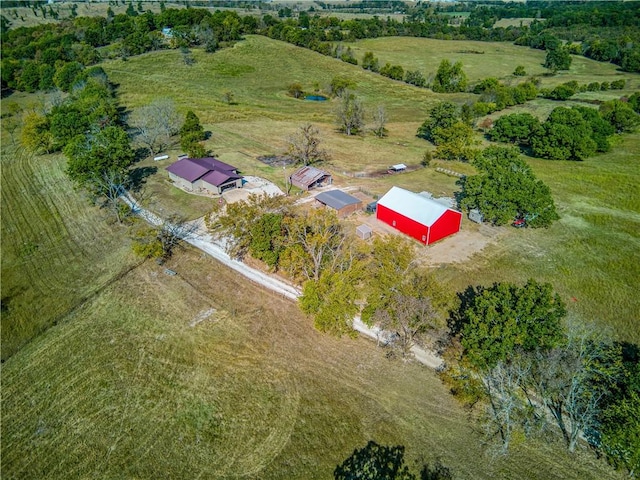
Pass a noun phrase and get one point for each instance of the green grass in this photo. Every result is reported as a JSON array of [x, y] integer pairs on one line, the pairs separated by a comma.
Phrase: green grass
[[587, 255], [264, 115], [592, 254], [498, 59], [125, 387], [57, 250]]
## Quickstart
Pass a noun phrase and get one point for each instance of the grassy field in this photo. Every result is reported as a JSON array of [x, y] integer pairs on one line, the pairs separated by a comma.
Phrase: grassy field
[[481, 59], [131, 385], [57, 250], [591, 254], [202, 374], [263, 115]]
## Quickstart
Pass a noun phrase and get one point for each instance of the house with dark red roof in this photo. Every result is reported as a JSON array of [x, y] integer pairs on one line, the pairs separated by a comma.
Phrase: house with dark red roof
[[208, 175]]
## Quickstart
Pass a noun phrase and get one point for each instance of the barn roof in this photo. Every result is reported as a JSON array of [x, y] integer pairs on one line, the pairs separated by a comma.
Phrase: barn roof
[[337, 199], [218, 178], [308, 175], [413, 205], [191, 169]]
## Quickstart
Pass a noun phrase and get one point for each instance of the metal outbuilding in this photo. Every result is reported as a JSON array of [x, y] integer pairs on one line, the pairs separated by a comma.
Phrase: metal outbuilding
[[399, 167], [308, 177], [364, 232], [417, 216], [343, 203]]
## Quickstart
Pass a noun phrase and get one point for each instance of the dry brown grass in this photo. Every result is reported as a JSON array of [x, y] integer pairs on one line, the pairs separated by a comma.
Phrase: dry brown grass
[[126, 386]]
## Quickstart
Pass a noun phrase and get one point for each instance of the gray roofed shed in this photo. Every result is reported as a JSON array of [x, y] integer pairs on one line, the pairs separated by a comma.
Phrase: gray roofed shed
[[340, 201], [364, 232]]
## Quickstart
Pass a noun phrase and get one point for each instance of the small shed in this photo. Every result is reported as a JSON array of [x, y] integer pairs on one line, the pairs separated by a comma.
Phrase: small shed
[[399, 167], [307, 178], [475, 215], [371, 207], [364, 232], [343, 203]]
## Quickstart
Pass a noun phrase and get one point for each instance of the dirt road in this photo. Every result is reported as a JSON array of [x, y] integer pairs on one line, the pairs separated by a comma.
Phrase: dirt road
[[199, 237]]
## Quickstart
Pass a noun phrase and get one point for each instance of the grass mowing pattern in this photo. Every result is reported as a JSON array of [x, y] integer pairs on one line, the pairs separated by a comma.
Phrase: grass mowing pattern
[[125, 387], [56, 250]]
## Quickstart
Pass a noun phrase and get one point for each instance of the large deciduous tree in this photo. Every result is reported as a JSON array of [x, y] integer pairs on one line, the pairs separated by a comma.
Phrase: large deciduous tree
[[456, 142], [499, 319], [89, 156], [565, 135], [314, 242], [236, 223], [161, 241], [516, 128], [571, 380], [506, 188], [449, 78], [389, 264], [35, 134], [413, 314], [620, 115], [374, 462], [558, 58], [304, 146], [350, 113], [380, 121], [156, 123], [443, 115]]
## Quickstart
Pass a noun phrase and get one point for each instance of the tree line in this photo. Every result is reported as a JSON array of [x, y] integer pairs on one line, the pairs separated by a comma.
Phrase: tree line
[[31, 56]]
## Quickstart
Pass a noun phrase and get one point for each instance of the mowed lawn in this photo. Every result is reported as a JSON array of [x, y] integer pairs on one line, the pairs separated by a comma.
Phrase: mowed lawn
[[203, 374], [57, 249]]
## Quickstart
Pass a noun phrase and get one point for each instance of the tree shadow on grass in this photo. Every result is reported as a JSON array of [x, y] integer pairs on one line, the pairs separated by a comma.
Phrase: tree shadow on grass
[[374, 462], [138, 176], [379, 462]]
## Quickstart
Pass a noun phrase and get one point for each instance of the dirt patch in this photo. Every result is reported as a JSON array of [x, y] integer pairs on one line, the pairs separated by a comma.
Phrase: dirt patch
[[461, 246], [471, 239], [277, 160], [252, 184]]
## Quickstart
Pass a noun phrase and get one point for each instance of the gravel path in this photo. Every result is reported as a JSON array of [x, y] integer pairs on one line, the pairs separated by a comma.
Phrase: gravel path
[[202, 240]]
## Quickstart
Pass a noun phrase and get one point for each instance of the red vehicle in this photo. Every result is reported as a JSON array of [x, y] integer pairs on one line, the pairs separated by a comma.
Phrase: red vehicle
[[519, 223]]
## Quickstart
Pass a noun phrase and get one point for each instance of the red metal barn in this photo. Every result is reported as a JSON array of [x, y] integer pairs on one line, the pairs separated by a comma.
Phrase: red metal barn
[[417, 216]]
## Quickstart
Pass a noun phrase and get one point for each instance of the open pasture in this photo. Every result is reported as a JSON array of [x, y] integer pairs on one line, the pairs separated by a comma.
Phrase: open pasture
[[481, 59], [596, 265], [203, 374]]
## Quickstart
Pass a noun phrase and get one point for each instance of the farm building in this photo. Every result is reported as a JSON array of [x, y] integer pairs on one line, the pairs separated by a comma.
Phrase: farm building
[[204, 175], [364, 232], [417, 216], [343, 203], [307, 178], [400, 167]]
